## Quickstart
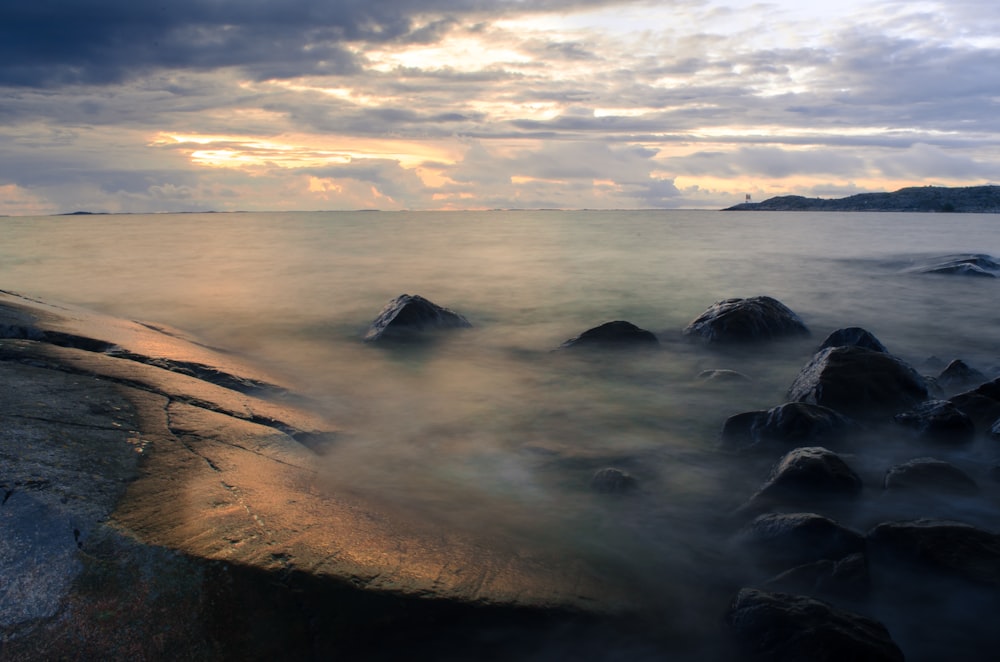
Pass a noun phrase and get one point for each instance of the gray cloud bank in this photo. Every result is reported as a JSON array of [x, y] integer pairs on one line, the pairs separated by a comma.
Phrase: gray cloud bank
[[661, 114]]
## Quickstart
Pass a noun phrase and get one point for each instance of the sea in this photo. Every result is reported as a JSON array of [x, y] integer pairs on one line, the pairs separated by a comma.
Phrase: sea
[[493, 428]]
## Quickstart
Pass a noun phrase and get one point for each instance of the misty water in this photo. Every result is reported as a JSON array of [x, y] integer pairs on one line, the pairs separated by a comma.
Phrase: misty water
[[488, 429]]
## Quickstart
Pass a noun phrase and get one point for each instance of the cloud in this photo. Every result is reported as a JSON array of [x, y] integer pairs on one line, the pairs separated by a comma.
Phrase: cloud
[[571, 103]]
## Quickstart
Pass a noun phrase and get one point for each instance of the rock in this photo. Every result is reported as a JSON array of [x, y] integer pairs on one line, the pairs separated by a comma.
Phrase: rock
[[958, 374], [613, 481], [722, 376], [614, 335], [941, 547], [811, 475], [995, 430], [407, 314], [984, 411], [926, 474], [854, 336], [784, 540], [752, 319], [780, 627], [147, 513], [963, 265], [938, 421], [793, 423], [860, 383], [847, 578]]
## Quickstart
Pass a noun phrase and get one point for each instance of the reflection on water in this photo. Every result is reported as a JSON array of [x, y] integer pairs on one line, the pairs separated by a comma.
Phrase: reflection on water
[[487, 427]]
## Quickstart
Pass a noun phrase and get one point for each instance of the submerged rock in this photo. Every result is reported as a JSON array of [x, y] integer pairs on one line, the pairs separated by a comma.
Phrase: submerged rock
[[752, 319], [407, 314], [613, 481], [963, 265], [859, 382], [785, 540], [722, 375], [780, 627], [854, 336], [938, 421], [614, 334], [926, 474], [787, 424]]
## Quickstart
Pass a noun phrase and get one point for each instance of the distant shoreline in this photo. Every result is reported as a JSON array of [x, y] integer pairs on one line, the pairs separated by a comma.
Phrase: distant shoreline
[[939, 199]]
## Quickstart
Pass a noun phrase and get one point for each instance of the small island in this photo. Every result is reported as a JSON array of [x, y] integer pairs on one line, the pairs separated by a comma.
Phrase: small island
[[968, 199]]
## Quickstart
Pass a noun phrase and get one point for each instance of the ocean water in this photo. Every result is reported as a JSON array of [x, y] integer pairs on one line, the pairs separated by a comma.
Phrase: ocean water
[[488, 427]]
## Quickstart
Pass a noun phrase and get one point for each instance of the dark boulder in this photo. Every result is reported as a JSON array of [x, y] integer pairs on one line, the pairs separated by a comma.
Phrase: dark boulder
[[938, 421], [613, 335], [940, 547], [407, 314], [740, 320], [854, 336], [847, 578], [784, 540], [859, 382], [984, 411], [807, 476], [958, 374], [793, 423], [780, 627], [613, 481], [926, 474]]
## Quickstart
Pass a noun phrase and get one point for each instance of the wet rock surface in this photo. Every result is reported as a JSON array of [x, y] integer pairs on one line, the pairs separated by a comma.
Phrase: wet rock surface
[[929, 475], [742, 320], [809, 476], [793, 423], [944, 548], [854, 336], [858, 382], [410, 314], [611, 480], [844, 579], [781, 626], [938, 421], [786, 540], [617, 334]]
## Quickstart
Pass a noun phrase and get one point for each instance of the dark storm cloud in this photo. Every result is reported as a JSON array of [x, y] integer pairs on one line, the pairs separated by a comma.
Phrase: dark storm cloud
[[47, 43]]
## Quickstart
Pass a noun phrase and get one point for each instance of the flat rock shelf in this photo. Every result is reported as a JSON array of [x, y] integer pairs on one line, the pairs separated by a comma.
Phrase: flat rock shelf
[[160, 499]]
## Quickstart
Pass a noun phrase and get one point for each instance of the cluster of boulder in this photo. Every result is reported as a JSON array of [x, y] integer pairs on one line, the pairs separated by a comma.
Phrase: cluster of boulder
[[819, 575]]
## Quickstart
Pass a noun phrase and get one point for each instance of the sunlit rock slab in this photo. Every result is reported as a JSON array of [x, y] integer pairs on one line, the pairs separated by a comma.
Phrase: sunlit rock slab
[[216, 474]]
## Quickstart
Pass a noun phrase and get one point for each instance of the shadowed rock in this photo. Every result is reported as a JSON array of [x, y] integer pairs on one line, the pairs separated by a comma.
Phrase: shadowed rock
[[617, 334], [806, 476], [927, 474], [793, 423], [780, 627], [784, 540], [854, 336], [945, 548], [845, 578], [741, 320], [859, 382], [958, 374], [938, 421], [408, 314]]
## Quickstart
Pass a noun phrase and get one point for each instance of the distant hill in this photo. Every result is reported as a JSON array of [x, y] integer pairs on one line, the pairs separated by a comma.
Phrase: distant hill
[[969, 199]]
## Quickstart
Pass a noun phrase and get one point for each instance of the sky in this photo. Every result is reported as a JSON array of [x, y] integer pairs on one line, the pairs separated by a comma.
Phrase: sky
[[260, 105]]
